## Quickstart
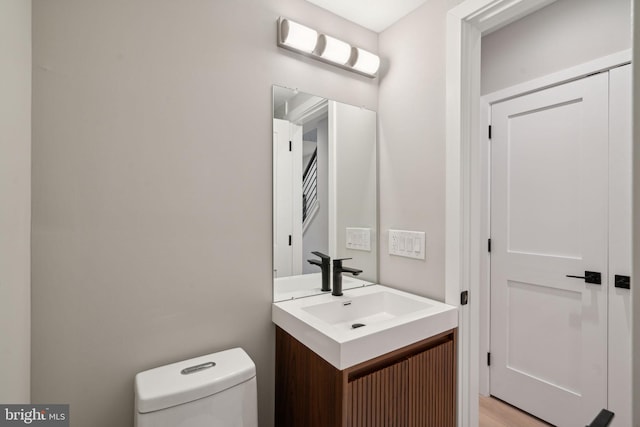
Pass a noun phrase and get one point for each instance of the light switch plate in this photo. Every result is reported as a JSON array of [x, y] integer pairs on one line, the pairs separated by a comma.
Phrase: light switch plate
[[358, 238], [410, 244]]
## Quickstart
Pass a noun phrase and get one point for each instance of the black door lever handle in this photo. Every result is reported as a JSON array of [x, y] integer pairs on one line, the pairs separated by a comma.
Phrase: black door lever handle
[[592, 277]]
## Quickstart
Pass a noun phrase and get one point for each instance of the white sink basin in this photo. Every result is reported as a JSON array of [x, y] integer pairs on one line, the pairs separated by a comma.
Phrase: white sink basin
[[367, 309], [362, 324]]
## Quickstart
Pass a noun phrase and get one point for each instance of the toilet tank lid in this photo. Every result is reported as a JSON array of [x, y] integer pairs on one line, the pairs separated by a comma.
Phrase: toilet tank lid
[[192, 379]]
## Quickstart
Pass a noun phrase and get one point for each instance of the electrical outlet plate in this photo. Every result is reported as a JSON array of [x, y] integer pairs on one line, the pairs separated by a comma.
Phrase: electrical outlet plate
[[410, 244]]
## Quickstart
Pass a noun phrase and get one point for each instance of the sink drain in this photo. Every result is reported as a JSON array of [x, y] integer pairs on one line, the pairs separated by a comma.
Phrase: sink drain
[[357, 325]]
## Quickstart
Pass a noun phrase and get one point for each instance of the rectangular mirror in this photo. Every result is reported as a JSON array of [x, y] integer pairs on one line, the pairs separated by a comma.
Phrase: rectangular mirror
[[324, 191]]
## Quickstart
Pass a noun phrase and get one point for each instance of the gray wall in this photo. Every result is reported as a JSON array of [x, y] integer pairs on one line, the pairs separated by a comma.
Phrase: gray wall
[[411, 140], [15, 199], [152, 235], [562, 35]]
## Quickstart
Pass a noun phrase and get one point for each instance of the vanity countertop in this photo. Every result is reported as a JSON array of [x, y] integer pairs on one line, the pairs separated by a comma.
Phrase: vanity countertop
[[364, 323]]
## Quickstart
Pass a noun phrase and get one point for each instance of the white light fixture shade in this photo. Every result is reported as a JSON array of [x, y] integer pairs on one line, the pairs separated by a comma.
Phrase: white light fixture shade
[[298, 36], [365, 61], [333, 50]]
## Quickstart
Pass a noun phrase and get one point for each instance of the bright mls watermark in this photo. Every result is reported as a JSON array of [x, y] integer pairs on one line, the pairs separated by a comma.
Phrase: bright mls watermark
[[34, 415]]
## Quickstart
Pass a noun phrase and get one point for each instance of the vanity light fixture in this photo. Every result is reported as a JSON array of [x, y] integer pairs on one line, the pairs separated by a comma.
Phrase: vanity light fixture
[[307, 41], [333, 50], [297, 36], [364, 61]]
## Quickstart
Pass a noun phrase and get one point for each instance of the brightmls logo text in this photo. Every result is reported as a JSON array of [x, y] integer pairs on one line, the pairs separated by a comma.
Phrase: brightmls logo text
[[34, 415], [28, 417]]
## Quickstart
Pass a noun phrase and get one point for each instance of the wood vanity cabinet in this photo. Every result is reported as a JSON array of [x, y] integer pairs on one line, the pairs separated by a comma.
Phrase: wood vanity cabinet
[[414, 386]]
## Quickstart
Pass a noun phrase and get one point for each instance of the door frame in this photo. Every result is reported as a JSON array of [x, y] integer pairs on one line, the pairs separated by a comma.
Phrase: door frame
[[465, 247], [466, 23], [605, 63]]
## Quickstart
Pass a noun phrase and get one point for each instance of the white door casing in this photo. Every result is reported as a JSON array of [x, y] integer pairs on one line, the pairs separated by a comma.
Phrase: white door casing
[[549, 219], [620, 178], [296, 153]]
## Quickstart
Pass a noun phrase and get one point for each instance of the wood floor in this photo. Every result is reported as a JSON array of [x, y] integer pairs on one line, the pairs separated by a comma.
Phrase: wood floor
[[496, 413]]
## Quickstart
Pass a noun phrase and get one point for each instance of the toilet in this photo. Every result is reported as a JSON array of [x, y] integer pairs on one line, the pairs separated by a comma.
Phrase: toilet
[[216, 390]]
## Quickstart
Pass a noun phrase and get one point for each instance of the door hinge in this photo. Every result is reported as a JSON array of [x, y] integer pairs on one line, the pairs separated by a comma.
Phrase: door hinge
[[290, 239], [290, 147], [489, 131], [464, 298], [489, 245], [488, 359]]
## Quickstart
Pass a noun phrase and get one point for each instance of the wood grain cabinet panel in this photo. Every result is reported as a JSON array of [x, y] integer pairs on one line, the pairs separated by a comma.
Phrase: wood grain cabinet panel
[[379, 398], [431, 391], [411, 387]]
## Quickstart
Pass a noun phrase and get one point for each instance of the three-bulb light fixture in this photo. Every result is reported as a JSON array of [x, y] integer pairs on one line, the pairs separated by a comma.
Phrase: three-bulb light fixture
[[302, 39]]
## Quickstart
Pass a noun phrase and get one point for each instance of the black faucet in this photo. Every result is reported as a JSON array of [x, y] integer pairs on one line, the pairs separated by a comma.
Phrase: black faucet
[[324, 263], [338, 269]]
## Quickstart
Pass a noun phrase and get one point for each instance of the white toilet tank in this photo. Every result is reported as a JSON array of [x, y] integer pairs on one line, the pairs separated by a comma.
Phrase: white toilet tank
[[216, 390]]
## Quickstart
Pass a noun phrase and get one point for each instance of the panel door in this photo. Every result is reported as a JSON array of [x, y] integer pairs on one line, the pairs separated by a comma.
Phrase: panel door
[[287, 198], [549, 220]]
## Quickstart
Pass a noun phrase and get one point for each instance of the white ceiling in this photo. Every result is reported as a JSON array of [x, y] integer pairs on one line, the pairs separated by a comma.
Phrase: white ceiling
[[375, 15]]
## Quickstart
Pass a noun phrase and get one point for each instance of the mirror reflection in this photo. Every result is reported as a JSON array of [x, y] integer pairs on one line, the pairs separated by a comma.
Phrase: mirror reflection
[[324, 195]]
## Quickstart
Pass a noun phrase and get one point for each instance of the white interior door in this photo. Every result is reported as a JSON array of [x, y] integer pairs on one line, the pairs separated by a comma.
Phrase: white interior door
[[549, 219], [287, 198]]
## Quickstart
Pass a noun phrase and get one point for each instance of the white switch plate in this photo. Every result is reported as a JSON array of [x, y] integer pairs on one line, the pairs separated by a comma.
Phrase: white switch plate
[[410, 244], [359, 238]]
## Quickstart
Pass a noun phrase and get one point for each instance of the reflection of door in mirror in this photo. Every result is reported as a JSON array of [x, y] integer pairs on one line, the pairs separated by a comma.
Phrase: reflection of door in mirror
[[300, 184], [286, 192]]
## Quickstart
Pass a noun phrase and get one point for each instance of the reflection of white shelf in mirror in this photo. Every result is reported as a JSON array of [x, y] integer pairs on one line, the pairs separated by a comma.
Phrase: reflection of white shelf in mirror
[[358, 238]]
